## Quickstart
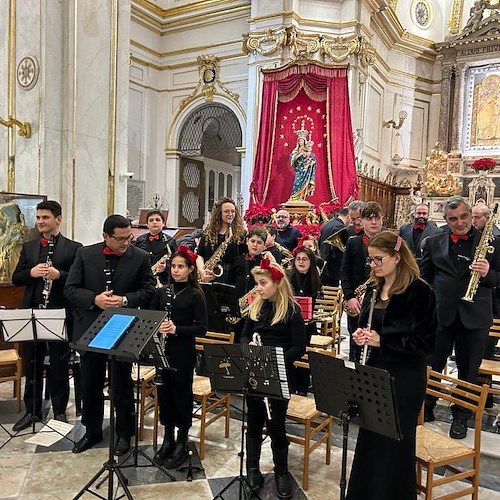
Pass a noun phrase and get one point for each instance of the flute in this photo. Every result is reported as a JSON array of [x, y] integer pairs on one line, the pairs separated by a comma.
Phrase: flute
[[257, 340], [373, 299]]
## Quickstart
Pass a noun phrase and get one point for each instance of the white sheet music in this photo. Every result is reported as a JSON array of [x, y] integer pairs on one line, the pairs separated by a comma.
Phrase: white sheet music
[[17, 324]]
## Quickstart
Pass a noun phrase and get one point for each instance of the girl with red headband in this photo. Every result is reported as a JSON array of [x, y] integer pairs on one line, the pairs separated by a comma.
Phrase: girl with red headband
[[277, 319], [185, 302]]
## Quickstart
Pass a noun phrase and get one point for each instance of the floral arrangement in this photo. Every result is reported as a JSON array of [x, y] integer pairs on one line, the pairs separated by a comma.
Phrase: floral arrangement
[[483, 164], [257, 214]]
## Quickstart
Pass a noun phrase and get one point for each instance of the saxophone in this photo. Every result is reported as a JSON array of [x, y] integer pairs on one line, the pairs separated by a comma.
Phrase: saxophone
[[359, 293], [214, 263], [244, 302], [482, 249], [156, 265]]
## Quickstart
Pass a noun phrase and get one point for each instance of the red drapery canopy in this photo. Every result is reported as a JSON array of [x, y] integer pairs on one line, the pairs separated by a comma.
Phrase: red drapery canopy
[[316, 98]]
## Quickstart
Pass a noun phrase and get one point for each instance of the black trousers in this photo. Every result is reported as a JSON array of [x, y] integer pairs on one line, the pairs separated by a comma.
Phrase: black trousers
[[257, 416], [175, 396], [470, 346], [354, 349], [57, 375], [93, 373]]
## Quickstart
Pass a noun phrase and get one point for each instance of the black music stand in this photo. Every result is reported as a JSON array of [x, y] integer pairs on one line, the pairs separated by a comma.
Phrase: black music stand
[[129, 348], [361, 394], [222, 306], [33, 325], [254, 370]]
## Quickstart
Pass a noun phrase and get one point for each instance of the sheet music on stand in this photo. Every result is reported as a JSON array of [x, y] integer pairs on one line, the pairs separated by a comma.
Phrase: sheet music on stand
[[17, 324], [262, 367]]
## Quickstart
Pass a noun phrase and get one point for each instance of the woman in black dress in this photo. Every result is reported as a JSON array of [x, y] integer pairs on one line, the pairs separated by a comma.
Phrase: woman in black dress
[[401, 337], [185, 303], [305, 281], [276, 318]]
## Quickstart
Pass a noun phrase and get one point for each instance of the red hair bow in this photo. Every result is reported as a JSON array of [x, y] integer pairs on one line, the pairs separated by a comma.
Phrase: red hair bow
[[297, 249], [186, 252], [275, 273]]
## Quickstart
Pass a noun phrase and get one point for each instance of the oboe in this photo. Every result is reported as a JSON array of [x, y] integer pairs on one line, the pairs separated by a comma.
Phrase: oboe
[[364, 357], [47, 282]]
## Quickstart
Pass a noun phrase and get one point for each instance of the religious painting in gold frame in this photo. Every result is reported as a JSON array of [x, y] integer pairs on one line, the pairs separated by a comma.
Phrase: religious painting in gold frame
[[17, 225], [483, 110]]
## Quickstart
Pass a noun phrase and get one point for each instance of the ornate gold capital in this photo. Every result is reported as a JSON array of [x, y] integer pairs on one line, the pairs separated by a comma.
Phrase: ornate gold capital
[[305, 45], [437, 179]]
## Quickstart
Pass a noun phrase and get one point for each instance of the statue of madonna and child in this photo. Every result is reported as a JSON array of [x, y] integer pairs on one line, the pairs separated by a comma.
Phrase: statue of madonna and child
[[303, 161]]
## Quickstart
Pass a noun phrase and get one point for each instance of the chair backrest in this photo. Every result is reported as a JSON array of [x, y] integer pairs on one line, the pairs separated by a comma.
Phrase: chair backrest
[[495, 328], [331, 297], [459, 392], [214, 338]]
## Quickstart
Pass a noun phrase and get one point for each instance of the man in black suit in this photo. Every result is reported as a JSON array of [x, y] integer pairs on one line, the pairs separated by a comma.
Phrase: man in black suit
[[481, 214], [415, 232], [288, 236], [43, 268], [112, 273], [355, 270], [446, 264], [331, 254], [157, 243]]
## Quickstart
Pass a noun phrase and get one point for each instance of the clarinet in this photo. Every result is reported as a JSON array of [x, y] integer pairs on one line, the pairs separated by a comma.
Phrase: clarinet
[[158, 380], [107, 276], [47, 282]]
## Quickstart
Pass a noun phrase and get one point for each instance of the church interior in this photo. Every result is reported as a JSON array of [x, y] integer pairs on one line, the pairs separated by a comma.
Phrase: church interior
[[123, 106]]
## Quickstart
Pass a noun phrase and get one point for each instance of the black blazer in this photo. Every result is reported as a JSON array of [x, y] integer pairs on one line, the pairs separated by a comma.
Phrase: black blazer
[[64, 255], [450, 285], [132, 277], [330, 227], [409, 326], [406, 232], [354, 271]]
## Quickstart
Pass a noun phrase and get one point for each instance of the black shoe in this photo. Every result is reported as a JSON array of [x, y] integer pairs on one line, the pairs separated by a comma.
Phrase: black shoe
[[283, 485], [428, 414], [255, 478], [87, 441], [177, 457], [61, 417], [458, 429], [26, 422], [122, 446], [167, 448]]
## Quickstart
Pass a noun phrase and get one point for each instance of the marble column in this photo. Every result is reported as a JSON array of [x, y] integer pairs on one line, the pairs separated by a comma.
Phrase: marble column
[[169, 178], [458, 108], [445, 111]]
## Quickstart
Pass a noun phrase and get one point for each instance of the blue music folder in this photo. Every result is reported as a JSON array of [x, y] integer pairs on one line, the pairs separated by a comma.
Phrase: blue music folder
[[111, 333]]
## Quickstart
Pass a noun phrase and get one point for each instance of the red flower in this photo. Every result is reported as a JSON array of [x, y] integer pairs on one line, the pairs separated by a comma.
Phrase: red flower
[[258, 214], [483, 164]]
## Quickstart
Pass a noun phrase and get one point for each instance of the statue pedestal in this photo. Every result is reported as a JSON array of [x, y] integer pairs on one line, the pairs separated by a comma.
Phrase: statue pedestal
[[300, 209]]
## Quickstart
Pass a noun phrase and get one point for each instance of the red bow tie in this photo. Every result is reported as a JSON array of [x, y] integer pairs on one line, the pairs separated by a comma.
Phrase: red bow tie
[[357, 230], [44, 242], [419, 226], [456, 237], [365, 239], [155, 237], [108, 251]]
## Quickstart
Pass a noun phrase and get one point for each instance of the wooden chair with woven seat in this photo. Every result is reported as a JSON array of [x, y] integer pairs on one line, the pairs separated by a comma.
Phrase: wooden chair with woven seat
[[11, 371], [328, 312], [434, 449], [317, 426], [491, 367], [148, 398], [208, 400]]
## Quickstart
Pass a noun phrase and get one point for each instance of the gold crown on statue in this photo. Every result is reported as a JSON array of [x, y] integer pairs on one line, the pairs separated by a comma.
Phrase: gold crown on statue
[[302, 133]]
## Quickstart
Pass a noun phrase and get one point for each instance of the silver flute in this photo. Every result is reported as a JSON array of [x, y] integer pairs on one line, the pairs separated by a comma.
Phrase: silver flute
[[365, 355]]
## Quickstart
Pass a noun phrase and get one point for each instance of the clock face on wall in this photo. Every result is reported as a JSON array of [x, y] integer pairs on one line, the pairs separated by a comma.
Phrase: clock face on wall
[[422, 13]]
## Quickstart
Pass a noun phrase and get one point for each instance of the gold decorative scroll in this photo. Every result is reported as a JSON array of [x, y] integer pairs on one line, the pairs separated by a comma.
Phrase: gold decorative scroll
[[437, 179], [209, 71], [305, 45], [455, 21]]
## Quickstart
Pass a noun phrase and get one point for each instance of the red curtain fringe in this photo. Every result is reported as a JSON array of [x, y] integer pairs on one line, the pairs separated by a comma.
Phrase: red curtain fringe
[[315, 96], [301, 69]]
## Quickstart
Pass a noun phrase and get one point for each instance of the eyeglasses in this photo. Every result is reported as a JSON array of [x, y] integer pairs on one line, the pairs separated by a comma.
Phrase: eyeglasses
[[302, 259], [378, 261], [122, 239]]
